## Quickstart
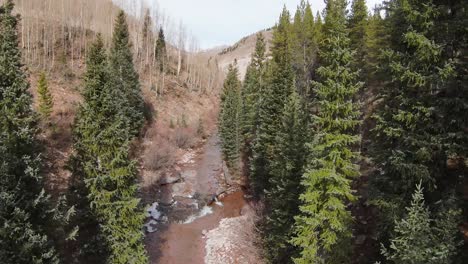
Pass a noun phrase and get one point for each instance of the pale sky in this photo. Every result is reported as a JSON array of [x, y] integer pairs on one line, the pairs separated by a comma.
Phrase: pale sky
[[224, 22]]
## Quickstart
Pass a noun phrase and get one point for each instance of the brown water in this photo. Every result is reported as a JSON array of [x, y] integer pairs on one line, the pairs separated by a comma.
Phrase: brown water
[[177, 242]]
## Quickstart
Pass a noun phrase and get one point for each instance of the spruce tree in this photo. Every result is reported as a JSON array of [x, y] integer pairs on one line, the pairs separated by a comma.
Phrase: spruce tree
[[358, 23], [422, 237], [278, 82], [407, 146], [282, 201], [25, 210], [304, 45], [251, 96], [103, 171], [375, 43], [46, 101], [125, 80], [160, 51], [229, 118], [323, 227]]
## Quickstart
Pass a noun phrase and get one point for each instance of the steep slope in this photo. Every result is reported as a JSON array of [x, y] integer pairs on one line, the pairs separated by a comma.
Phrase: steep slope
[[54, 37], [240, 51]]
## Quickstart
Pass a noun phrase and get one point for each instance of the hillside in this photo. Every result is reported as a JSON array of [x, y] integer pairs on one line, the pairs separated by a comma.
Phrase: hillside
[[60, 51], [240, 51]]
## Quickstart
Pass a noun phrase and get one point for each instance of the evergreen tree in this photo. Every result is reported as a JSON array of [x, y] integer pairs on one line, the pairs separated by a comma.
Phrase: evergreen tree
[[282, 200], [304, 45], [323, 227], [46, 101], [251, 96], [160, 51], [25, 210], [103, 170], [229, 118], [407, 147], [358, 23], [420, 239], [125, 80], [451, 33], [375, 42], [278, 82]]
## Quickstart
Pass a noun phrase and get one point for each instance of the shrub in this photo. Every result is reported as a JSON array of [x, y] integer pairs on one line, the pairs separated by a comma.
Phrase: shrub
[[183, 138], [159, 155]]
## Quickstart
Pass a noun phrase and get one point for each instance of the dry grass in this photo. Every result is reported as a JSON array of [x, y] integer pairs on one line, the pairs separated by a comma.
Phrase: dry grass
[[158, 155]]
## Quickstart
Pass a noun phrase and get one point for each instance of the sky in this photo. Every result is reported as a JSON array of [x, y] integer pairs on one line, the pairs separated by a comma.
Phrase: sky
[[224, 22]]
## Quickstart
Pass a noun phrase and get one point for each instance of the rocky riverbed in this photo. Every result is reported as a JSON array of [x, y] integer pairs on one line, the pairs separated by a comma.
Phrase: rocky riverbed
[[200, 214]]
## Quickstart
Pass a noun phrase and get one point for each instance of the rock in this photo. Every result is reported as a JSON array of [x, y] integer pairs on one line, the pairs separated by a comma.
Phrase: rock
[[151, 226], [153, 212], [211, 199], [170, 179]]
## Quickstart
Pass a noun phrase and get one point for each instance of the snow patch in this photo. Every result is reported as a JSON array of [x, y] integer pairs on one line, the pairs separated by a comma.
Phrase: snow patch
[[153, 212], [151, 226], [218, 203], [206, 210]]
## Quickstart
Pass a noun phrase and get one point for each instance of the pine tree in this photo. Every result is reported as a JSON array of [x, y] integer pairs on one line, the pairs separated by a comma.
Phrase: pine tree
[[451, 34], [304, 45], [104, 174], [282, 201], [323, 227], [278, 82], [358, 23], [407, 147], [125, 80], [251, 95], [229, 118], [375, 42], [25, 209], [160, 51], [420, 239], [46, 101]]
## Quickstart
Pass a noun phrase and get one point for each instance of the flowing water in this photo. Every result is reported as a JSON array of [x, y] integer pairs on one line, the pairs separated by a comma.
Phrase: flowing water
[[192, 208]]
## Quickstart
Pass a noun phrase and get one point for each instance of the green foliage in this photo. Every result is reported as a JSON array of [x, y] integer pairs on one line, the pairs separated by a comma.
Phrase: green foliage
[[324, 223], [419, 238], [277, 86], [406, 145], [251, 94], [358, 24], [125, 81], [375, 42], [25, 209], [282, 200], [46, 101], [304, 46], [229, 118], [160, 51], [104, 174]]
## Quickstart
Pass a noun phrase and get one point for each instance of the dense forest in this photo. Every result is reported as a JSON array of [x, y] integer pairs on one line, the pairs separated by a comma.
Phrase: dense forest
[[349, 131], [352, 132]]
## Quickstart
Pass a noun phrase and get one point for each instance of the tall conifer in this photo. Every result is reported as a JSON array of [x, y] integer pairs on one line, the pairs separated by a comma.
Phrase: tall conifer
[[358, 23], [25, 211], [282, 200], [229, 118], [407, 146], [125, 81], [103, 169], [323, 227], [251, 95], [279, 80]]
